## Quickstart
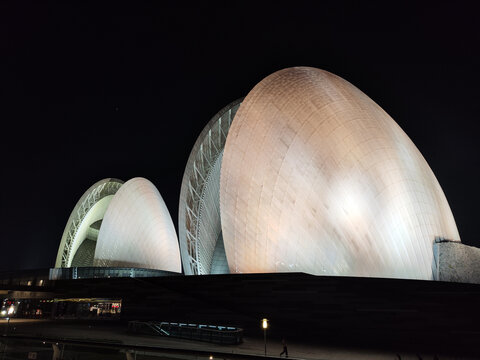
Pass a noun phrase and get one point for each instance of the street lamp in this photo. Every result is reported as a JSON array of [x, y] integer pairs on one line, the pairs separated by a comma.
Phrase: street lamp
[[265, 327]]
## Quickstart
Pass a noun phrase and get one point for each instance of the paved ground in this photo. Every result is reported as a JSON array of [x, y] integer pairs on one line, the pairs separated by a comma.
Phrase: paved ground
[[114, 332]]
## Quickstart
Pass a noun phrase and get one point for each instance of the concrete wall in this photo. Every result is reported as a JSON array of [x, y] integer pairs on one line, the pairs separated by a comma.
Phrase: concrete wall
[[454, 261]]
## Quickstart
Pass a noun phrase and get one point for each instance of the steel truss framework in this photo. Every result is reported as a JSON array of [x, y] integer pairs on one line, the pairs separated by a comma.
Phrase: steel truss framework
[[95, 193], [199, 224]]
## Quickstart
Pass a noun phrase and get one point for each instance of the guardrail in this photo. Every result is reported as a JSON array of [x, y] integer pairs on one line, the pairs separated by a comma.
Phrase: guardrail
[[209, 333]]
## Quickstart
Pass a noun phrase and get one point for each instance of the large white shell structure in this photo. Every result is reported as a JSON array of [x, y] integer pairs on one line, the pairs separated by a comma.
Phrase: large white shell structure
[[77, 246], [317, 178], [199, 228], [137, 230]]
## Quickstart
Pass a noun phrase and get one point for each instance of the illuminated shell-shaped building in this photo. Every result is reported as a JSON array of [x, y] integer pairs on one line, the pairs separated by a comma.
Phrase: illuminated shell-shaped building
[[120, 225], [306, 174], [317, 178], [199, 228]]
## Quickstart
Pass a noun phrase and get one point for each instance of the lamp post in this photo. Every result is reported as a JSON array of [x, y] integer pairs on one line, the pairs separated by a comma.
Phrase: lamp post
[[6, 333], [8, 325], [265, 327]]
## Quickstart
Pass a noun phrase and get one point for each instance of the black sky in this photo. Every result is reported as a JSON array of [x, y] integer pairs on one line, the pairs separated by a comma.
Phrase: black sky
[[90, 91]]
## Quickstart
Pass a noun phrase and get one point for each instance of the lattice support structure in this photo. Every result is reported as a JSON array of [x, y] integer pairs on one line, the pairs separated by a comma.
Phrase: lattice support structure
[[72, 238], [199, 224]]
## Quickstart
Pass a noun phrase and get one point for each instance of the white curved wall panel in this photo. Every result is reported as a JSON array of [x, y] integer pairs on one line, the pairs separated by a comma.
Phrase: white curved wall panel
[[137, 230], [317, 178]]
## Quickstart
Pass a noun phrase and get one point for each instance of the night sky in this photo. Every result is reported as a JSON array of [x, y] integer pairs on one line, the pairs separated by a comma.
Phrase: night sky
[[93, 91]]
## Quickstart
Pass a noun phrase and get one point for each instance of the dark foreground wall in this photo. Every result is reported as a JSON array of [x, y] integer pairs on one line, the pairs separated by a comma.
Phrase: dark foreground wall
[[373, 312], [397, 314]]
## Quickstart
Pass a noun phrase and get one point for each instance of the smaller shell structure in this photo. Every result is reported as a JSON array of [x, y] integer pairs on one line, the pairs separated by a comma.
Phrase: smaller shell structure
[[200, 231], [77, 246], [137, 230]]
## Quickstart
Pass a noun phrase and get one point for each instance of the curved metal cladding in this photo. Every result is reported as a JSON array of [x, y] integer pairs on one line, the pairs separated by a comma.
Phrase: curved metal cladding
[[89, 210], [317, 178], [199, 225], [137, 230]]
